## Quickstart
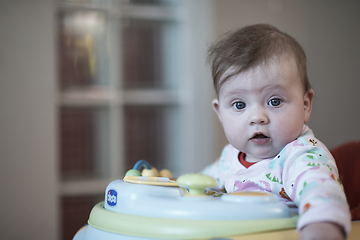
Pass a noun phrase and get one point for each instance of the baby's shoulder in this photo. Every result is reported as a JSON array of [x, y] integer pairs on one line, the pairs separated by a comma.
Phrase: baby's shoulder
[[306, 142], [307, 151]]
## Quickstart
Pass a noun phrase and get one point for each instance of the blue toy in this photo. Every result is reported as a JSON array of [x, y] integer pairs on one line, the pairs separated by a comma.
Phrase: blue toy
[[146, 205]]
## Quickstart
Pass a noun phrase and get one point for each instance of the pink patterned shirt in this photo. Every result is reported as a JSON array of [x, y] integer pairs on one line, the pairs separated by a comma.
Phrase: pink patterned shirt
[[304, 172]]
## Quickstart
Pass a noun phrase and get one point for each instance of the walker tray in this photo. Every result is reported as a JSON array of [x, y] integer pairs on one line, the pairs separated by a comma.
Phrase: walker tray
[[140, 207]]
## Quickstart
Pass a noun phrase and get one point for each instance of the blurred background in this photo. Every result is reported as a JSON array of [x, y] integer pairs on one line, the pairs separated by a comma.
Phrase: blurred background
[[88, 87]]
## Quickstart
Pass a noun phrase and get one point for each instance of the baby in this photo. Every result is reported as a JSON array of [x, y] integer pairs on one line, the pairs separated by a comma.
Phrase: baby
[[264, 100]]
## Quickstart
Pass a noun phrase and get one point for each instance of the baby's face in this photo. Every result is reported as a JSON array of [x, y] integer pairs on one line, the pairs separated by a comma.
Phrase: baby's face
[[263, 109]]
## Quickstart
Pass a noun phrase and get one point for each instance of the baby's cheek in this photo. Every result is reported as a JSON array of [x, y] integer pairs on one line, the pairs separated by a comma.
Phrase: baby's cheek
[[288, 132]]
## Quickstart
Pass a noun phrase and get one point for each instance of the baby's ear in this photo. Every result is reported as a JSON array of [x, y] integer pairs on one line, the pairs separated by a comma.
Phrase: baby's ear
[[215, 105], [308, 100]]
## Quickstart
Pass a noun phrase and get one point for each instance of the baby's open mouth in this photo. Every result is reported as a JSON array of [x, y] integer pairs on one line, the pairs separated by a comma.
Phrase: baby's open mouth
[[260, 139], [259, 135]]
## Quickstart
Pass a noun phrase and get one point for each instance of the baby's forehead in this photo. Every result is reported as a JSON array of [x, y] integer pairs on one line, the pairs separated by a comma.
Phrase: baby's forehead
[[281, 68]]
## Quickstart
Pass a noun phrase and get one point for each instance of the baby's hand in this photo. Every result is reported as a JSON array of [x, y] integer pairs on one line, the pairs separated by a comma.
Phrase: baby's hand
[[322, 230]]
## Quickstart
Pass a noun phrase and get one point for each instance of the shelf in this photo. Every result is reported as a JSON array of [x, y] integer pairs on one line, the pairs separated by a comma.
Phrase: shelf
[[151, 97], [97, 96], [90, 96], [160, 13]]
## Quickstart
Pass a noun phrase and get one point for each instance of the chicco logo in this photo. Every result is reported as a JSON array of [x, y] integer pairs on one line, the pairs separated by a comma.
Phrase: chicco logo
[[112, 197]]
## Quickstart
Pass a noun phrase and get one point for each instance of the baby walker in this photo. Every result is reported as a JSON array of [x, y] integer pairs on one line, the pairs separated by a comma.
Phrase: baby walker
[[145, 205]]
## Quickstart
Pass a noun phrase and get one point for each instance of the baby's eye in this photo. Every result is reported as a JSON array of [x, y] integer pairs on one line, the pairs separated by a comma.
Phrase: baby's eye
[[275, 102], [239, 105]]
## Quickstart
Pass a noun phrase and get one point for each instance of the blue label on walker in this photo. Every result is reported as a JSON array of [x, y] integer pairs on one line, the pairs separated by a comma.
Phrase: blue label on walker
[[112, 197]]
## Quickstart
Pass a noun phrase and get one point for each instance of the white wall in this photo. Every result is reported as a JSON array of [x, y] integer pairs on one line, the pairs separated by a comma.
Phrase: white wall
[[28, 201], [202, 33], [329, 32]]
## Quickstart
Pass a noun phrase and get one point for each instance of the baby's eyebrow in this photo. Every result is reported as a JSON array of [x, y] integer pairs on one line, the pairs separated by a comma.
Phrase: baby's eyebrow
[[273, 87], [232, 93], [266, 88], [236, 91]]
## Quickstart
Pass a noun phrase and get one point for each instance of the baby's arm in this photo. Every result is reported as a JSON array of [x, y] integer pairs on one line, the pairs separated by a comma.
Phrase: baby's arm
[[323, 209], [322, 230], [322, 206]]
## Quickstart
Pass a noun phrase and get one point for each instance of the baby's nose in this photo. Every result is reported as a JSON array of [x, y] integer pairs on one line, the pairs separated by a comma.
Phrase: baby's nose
[[259, 116]]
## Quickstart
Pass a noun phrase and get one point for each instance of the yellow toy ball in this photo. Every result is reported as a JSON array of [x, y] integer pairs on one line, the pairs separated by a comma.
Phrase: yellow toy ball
[[165, 173], [153, 172]]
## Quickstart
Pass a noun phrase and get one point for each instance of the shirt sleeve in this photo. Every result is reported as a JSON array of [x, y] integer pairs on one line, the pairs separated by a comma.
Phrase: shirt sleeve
[[220, 170], [311, 181], [212, 169]]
